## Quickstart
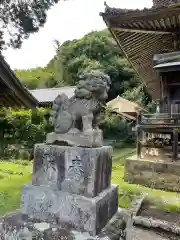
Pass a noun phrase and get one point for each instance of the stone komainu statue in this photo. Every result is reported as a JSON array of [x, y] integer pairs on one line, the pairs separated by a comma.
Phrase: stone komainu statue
[[81, 112]]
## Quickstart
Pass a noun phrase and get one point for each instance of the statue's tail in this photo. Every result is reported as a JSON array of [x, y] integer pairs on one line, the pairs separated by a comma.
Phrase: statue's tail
[[59, 100]]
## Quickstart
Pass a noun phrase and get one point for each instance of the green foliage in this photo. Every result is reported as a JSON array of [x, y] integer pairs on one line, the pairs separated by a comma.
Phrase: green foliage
[[95, 51], [136, 95], [36, 78], [115, 127], [21, 18], [23, 154], [20, 130]]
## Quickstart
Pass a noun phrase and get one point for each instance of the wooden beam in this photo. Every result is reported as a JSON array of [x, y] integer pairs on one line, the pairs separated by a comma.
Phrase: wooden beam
[[141, 37], [120, 46], [135, 30], [144, 45], [12, 82], [138, 137], [10, 102], [18, 100], [174, 84], [145, 54], [175, 143]]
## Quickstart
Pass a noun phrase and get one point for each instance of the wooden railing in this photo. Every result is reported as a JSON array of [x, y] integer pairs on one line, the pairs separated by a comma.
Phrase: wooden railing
[[162, 122], [159, 119]]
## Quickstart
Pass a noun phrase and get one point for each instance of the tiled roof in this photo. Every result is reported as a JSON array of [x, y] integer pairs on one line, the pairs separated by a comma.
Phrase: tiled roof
[[116, 11], [157, 4], [47, 95]]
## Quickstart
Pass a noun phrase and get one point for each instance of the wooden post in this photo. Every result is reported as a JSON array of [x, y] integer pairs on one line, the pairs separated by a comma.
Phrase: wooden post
[[175, 141], [138, 136]]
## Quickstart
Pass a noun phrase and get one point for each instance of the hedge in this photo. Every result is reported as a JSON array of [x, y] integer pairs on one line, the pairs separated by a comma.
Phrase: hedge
[[21, 129]]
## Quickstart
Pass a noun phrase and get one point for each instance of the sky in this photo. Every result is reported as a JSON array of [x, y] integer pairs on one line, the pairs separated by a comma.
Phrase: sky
[[67, 20]]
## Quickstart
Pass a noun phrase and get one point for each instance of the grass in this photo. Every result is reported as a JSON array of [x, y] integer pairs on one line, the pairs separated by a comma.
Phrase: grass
[[16, 173], [12, 176], [168, 201]]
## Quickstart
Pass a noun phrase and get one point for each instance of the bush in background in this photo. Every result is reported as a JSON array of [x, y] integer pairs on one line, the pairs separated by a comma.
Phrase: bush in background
[[20, 130], [117, 128]]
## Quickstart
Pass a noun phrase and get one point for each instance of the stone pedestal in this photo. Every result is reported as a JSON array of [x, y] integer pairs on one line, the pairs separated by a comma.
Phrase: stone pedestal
[[17, 226], [71, 188], [84, 171], [70, 191], [90, 138], [162, 174], [69, 210]]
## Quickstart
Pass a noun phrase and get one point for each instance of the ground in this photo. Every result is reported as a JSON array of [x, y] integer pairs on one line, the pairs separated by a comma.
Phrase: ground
[[128, 191], [14, 174]]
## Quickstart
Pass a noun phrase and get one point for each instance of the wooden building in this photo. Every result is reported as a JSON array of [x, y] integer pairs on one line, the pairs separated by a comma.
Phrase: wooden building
[[150, 39], [12, 91], [125, 108]]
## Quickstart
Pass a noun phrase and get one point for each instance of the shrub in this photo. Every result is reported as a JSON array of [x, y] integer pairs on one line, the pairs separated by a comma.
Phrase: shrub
[[115, 127], [24, 155], [22, 129]]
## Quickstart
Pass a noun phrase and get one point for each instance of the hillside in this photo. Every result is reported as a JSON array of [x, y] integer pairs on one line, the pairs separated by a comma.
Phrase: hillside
[[96, 50]]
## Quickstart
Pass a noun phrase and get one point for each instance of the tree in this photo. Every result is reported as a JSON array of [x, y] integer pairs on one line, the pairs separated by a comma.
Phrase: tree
[[95, 51], [21, 18], [36, 78], [58, 65]]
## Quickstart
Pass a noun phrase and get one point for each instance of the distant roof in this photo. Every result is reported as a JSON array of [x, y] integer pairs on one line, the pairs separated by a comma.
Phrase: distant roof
[[47, 95], [125, 107]]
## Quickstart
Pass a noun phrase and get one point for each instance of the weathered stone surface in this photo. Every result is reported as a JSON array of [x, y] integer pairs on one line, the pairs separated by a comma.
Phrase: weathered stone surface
[[81, 213], [91, 138], [157, 224], [16, 225], [160, 175], [147, 234], [136, 204], [85, 171]]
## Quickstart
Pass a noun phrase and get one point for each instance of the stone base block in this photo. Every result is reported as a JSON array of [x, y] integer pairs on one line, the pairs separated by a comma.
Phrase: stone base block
[[164, 175], [17, 226], [84, 171], [70, 210]]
